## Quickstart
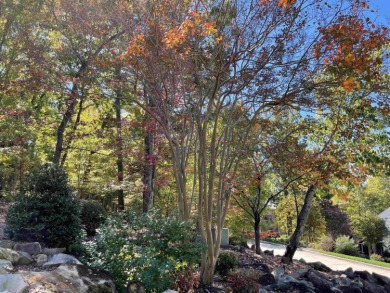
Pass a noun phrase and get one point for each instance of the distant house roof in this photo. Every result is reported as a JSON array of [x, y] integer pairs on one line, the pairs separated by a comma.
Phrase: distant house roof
[[385, 215]]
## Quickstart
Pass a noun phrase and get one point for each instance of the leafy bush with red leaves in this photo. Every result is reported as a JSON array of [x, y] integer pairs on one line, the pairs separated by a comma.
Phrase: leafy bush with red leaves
[[186, 280]]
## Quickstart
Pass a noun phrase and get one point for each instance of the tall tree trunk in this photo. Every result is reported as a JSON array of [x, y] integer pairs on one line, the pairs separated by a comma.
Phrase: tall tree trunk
[[302, 218], [257, 232], [119, 149], [76, 123], [148, 172], [67, 116], [149, 162], [61, 129]]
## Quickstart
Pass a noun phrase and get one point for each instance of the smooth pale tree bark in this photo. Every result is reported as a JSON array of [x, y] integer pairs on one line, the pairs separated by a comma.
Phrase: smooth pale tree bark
[[301, 222]]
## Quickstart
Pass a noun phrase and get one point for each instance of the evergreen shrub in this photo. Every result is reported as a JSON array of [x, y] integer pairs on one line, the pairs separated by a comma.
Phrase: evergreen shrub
[[46, 211], [92, 216], [227, 261]]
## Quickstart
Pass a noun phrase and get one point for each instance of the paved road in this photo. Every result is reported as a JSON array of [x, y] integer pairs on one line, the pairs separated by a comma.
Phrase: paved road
[[335, 263]]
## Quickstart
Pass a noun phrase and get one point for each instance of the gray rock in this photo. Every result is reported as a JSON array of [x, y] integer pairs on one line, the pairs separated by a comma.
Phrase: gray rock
[[357, 284], [350, 290], [287, 279], [320, 282], [9, 254], [382, 280], [365, 276], [7, 244], [301, 273], [302, 260], [289, 284], [71, 278], [319, 266], [41, 259], [372, 288], [51, 251], [269, 252], [14, 283], [266, 279], [342, 282], [349, 273], [24, 258], [6, 264], [278, 272], [62, 258], [32, 248], [3, 271]]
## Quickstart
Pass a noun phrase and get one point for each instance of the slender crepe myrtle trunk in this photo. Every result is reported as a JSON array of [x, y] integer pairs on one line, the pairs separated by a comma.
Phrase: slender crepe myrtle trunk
[[301, 222]]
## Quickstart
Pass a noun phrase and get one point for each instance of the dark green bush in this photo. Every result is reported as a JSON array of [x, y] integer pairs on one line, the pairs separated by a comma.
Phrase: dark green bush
[[92, 216], [147, 248], [227, 261], [345, 245], [46, 210]]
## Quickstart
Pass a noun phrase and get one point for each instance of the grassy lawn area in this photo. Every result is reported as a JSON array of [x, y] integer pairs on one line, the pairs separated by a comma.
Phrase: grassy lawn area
[[369, 261]]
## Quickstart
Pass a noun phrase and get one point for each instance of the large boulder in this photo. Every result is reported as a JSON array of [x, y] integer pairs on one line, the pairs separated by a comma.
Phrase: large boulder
[[24, 258], [365, 276], [373, 288], [7, 244], [51, 251], [9, 254], [32, 248], [41, 259], [62, 258], [13, 283], [6, 264], [70, 278], [382, 280]]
